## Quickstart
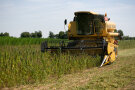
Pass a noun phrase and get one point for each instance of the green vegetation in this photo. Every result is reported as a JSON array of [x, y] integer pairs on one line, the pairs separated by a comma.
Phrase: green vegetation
[[25, 41], [60, 35], [119, 76], [36, 34], [124, 44], [4, 34], [21, 61]]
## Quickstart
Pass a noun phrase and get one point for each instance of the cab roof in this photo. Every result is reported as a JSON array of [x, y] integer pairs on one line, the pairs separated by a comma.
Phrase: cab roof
[[90, 12]]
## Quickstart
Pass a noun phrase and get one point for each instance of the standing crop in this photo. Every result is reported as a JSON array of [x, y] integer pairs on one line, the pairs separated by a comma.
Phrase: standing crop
[[25, 64]]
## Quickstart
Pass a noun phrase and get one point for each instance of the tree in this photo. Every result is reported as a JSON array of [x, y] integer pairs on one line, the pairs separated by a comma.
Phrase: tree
[[6, 34], [36, 34], [61, 35], [51, 35], [1, 34], [39, 34], [121, 33], [115, 30], [33, 35], [66, 35], [56, 36], [25, 34]]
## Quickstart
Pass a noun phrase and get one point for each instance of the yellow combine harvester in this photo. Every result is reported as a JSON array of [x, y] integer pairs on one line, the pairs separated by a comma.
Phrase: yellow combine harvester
[[89, 33]]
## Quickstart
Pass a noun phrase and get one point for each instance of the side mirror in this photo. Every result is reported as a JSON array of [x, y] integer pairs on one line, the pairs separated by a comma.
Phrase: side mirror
[[65, 22]]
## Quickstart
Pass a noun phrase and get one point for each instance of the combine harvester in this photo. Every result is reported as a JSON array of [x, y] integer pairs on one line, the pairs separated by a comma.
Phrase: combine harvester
[[89, 33]]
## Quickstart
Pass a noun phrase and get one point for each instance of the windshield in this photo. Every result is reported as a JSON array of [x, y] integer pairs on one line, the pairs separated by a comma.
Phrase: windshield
[[84, 23], [87, 24]]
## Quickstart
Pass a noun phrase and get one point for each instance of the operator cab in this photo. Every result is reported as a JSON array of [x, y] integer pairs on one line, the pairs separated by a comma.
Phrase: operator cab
[[88, 23]]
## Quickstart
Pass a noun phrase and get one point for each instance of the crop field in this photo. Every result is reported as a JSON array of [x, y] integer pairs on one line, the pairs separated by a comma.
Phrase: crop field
[[25, 64], [22, 63]]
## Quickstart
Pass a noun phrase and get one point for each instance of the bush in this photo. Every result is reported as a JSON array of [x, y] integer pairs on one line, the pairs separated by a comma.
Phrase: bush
[[25, 34], [4, 34], [37, 34]]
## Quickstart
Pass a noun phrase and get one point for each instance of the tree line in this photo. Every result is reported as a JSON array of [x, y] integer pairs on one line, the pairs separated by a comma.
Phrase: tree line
[[60, 35], [4, 34], [36, 34], [123, 37], [128, 38]]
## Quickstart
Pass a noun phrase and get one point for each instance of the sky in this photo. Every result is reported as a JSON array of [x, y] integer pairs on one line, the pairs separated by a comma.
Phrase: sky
[[17, 16]]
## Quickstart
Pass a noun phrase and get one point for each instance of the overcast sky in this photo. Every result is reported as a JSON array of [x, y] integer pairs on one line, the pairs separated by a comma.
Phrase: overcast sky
[[17, 16]]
